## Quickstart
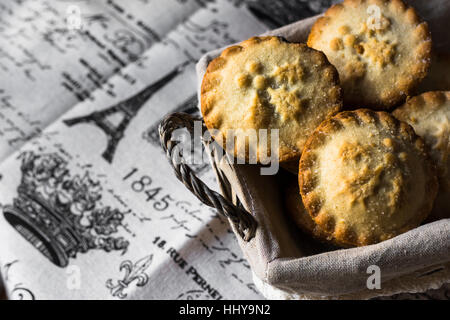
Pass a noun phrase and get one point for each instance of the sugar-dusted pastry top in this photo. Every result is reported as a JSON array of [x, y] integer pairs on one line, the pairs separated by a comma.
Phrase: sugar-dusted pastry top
[[268, 83], [366, 177], [429, 115], [380, 48]]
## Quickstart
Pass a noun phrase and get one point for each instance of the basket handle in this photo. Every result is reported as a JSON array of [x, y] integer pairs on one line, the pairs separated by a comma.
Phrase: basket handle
[[243, 221]]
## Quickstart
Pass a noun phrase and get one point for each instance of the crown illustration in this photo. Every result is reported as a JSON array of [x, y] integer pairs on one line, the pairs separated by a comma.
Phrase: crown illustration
[[60, 214]]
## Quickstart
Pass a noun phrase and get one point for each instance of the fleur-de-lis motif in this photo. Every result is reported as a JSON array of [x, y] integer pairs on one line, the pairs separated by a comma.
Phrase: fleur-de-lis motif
[[133, 272]]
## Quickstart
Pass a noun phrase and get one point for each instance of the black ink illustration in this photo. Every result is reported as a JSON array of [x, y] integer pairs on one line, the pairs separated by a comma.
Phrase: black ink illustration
[[203, 37], [195, 294], [134, 272], [127, 42], [60, 214], [98, 18], [19, 291], [6, 268], [126, 110], [279, 13]]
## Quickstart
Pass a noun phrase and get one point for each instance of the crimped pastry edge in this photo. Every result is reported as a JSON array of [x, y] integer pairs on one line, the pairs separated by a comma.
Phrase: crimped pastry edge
[[398, 128], [429, 101], [291, 197], [426, 102], [218, 62], [424, 56]]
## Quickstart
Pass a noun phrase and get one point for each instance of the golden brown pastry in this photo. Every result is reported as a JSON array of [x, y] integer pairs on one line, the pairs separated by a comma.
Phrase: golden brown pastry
[[268, 83], [296, 210], [380, 48], [366, 177], [429, 115]]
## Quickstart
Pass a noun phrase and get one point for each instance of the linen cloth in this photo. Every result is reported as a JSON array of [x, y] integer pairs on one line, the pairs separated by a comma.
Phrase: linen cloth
[[288, 265]]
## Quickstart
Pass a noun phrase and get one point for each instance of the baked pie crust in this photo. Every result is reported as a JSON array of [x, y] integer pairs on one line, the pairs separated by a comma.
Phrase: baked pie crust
[[366, 177], [380, 48], [429, 115], [268, 83], [298, 213]]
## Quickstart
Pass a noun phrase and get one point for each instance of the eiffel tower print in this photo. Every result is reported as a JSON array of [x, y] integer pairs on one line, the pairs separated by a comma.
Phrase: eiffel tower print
[[126, 110]]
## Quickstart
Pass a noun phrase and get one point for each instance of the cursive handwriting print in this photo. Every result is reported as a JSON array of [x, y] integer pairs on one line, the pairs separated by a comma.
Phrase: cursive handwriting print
[[92, 177], [70, 50]]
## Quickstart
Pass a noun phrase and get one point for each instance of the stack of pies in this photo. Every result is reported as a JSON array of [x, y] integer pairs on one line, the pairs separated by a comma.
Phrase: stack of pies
[[364, 175]]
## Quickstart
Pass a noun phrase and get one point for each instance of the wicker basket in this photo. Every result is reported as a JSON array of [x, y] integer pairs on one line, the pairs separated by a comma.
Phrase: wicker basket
[[289, 265]]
